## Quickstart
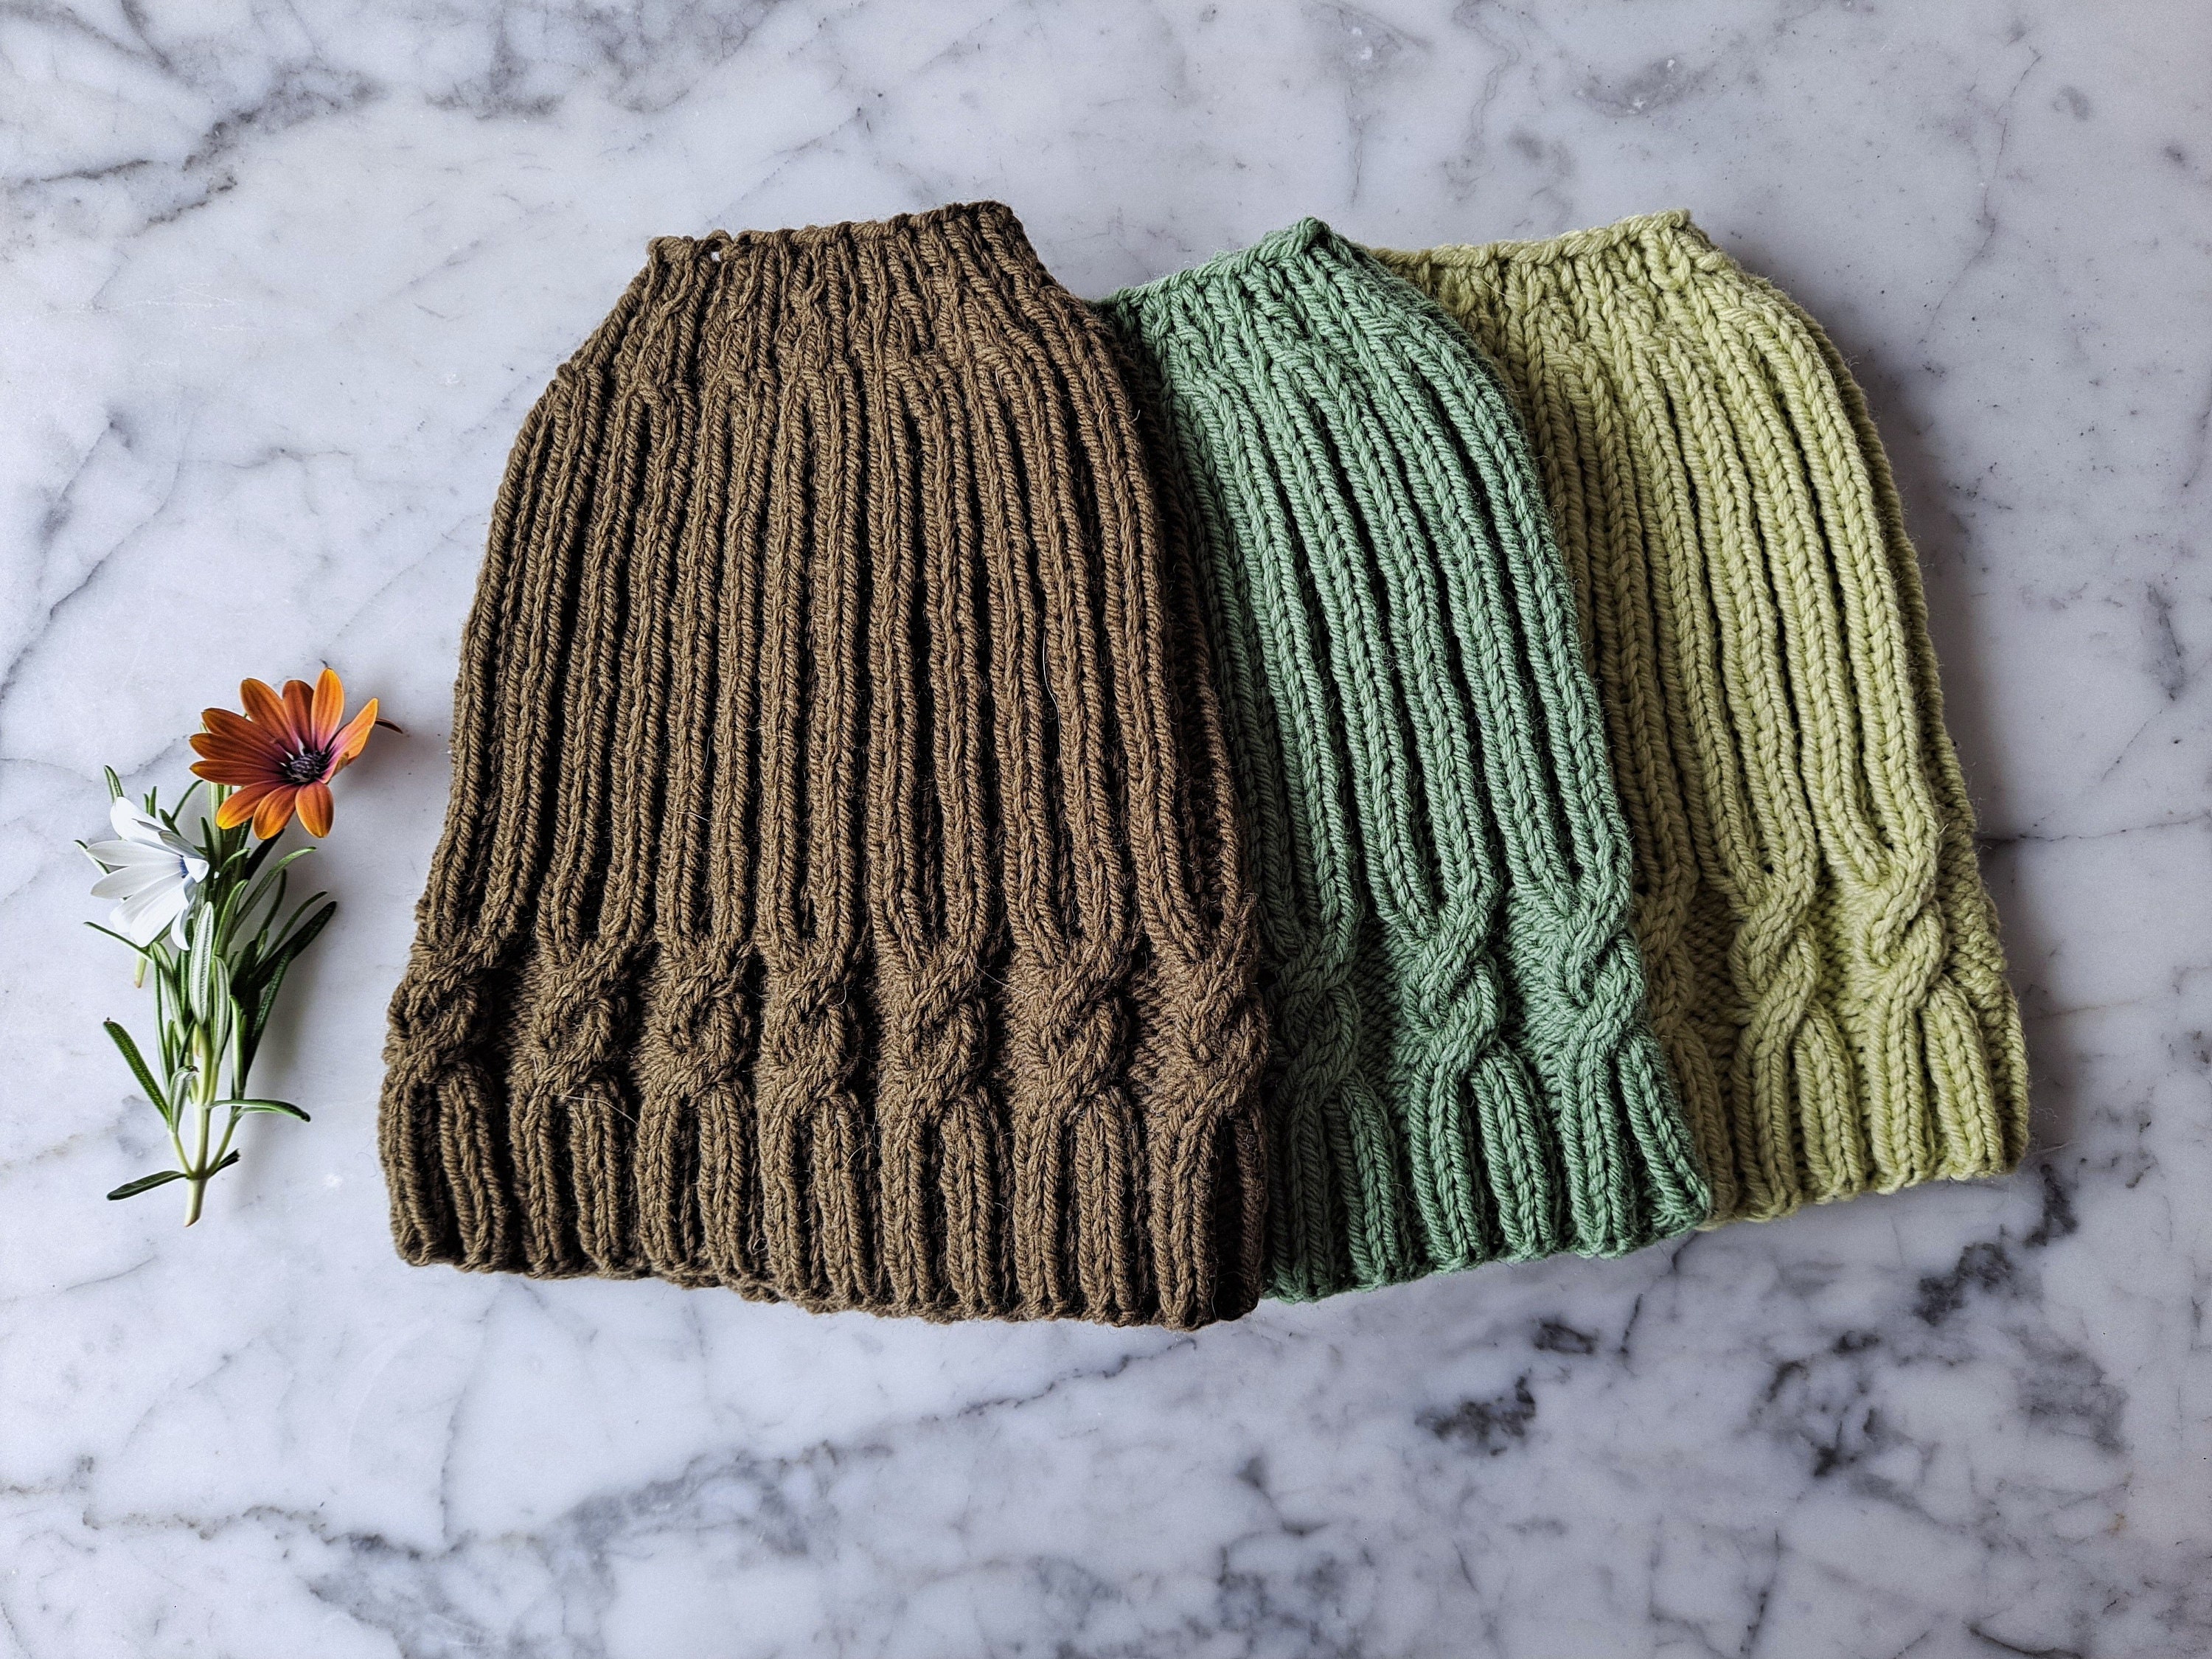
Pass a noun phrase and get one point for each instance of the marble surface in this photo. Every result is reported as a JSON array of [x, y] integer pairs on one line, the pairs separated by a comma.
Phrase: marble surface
[[278, 282]]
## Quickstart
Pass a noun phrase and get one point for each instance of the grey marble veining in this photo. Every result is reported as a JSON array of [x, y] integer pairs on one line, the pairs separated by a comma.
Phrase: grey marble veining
[[278, 283]]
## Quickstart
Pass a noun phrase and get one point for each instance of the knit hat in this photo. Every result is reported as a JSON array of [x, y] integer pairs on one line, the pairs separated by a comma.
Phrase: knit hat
[[1463, 1069], [1826, 973], [840, 898]]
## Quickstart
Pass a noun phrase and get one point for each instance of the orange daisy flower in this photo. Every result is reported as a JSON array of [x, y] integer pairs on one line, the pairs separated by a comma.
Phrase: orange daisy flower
[[282, 753]]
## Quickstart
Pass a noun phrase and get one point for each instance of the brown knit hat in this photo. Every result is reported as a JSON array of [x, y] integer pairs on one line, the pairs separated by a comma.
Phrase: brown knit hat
[[839, 898]]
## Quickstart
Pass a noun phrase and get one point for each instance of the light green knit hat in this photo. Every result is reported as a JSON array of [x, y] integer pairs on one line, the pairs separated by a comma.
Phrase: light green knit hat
[[1826, 973], [1463, 1068]]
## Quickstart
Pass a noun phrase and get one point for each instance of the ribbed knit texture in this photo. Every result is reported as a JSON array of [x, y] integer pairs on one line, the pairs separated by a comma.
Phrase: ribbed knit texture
[[1826, 972], [840, 898], [1463, 1070]]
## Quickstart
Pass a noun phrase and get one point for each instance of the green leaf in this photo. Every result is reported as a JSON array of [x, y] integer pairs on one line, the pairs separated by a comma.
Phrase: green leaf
[[199, 967], [221, 1027], [237, 1046], [226, 911], [168, 1012], [212, 842], [139, 1069], [147, 1184], [114, 783], [283, 1106], [275, 875], [188, 983], [260, 854], [285, 934], [134, 946], [254, 958], [280, 962], [229, 1160]]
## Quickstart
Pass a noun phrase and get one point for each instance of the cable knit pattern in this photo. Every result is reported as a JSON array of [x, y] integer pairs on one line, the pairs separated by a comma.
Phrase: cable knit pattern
[[1464, 1071], [841, 898], [1825, 974]]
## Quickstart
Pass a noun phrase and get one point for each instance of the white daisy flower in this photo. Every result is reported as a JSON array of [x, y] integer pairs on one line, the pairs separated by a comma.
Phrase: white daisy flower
[[152, 874]]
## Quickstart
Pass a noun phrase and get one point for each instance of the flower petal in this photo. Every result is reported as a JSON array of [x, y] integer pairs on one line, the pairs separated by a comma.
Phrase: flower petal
[[132, 823], [232, 773], [274, 811], [315, 809], [329, 708], [130, 855], [240, 808], [350, 742], [170, 839], [267, 710], [234, 728], [120, 886], [141, 917], [231, 768], [231, 777], [300, 704], [214, 747]]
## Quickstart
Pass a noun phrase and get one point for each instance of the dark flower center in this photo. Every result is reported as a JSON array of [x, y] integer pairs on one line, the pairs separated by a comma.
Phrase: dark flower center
[[304, 768]]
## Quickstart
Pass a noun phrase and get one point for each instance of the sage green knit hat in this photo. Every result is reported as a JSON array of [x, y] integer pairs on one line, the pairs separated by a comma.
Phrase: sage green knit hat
[[1826, 972], [1462, 1067]]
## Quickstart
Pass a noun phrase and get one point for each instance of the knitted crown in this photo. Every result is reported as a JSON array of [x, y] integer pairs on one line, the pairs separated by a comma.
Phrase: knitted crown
[[1826, 973], [1462, 1066], [840, 896]]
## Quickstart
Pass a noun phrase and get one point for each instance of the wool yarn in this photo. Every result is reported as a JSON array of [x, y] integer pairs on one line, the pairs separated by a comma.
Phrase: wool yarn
[[1462, 1066], [1826, 971], [840, 898]]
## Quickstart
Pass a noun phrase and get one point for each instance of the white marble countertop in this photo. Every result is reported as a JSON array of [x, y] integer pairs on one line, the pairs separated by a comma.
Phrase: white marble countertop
[[276, 284]]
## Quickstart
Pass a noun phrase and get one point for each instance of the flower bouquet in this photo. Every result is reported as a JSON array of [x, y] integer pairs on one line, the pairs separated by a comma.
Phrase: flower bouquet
[[203, 901]]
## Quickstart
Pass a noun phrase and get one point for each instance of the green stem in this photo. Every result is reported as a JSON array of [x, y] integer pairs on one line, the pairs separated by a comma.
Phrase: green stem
[[222, 1147], [177, 1146], [203, 1091]]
